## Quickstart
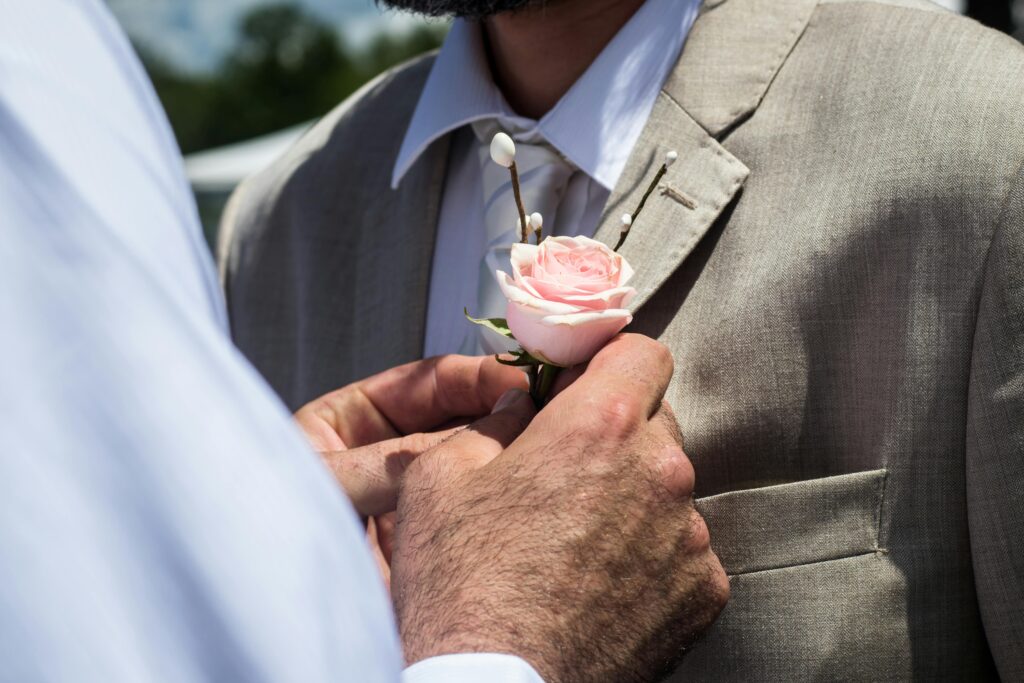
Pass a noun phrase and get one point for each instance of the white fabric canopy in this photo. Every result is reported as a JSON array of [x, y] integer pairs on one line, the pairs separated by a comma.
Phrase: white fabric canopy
[[220, 170]]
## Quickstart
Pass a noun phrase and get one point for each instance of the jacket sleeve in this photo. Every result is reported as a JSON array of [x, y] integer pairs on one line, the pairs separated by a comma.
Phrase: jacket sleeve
[[995, 442]]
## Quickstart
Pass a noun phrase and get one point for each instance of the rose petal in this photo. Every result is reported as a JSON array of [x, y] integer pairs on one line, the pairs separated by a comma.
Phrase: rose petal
[[605, 299], [565, 340], [517, 295], [523, 257]]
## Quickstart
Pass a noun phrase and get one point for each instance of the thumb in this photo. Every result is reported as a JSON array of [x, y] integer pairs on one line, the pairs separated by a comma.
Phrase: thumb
[[482, 441]]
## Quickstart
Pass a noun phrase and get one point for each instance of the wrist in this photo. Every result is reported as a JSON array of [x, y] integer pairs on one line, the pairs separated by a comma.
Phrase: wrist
[[425, 637]]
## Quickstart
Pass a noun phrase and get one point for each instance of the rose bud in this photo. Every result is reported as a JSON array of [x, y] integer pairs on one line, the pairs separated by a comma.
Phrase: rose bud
[[567, 298]]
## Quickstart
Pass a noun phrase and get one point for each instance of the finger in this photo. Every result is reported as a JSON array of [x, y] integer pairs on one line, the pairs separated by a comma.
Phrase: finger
[[631, 364], [380, 555], [477, 444], [670, 466], [343, 419], [620, 390], [386, 534], [371, 475], [416, 397], [419, 396]]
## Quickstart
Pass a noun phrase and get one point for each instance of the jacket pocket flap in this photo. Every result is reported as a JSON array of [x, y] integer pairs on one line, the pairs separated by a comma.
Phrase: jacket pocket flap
[[793, 524]]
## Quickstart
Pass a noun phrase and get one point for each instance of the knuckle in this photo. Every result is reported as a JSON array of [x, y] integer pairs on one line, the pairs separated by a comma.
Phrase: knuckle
[[410, 449], [699, 539], [415, 444], [417, 470], [668, 418], [424, 470], [662, 357], [719, 590], [704, 592], [675, 473], [687, 476], [452, 376], [618, 415], [420, 488], [652, 354]]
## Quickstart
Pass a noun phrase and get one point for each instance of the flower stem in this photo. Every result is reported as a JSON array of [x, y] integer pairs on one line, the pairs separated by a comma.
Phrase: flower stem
[[533, 372], [524, 227], [542, 379]]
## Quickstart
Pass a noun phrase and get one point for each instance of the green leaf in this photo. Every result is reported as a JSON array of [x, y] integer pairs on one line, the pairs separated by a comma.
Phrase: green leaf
[[518, 362], [520, 359], [499, 325]]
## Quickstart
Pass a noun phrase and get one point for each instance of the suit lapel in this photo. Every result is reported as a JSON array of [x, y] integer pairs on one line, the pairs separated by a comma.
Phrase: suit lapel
[[691, 196], [734, 51], [731, 57]]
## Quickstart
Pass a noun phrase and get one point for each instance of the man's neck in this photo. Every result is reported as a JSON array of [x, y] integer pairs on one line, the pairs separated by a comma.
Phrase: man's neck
[[538, 53]]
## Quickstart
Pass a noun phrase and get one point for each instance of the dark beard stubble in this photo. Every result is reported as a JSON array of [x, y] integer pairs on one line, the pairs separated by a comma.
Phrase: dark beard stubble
[[469, 9]]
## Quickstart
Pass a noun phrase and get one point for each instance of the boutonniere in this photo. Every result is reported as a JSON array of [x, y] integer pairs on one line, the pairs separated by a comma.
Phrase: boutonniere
[[567, 296]]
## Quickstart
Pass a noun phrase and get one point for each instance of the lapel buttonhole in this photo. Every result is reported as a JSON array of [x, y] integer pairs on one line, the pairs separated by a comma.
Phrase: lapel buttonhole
[[667, 190]]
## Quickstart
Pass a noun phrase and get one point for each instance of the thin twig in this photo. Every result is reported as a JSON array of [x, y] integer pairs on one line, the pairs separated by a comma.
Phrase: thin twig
[[643, 201], [523, 225]]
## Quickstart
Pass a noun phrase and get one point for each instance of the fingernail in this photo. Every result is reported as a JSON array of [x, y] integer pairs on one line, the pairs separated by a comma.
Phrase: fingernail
[[508, 399]]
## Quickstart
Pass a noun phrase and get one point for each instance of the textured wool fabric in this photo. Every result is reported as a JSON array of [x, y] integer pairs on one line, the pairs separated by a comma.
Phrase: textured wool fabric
[[836, 262]]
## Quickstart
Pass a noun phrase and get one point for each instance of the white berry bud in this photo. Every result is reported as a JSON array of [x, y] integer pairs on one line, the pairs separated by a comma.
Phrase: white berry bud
[[503, 150], [671, 157], [536, 221], [627, 222]]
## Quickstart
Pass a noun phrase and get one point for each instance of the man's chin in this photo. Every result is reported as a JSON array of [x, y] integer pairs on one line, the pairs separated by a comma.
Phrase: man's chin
[[469, 9]]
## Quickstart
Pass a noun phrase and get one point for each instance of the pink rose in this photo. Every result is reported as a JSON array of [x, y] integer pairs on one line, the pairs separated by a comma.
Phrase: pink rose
[[567, 298]]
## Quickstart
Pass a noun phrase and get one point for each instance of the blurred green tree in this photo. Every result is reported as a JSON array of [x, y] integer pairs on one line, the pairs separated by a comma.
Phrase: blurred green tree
[[187, 99], [287, 66]]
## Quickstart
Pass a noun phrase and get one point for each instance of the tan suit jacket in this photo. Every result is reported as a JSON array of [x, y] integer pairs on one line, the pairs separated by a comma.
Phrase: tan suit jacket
[[843, 289]]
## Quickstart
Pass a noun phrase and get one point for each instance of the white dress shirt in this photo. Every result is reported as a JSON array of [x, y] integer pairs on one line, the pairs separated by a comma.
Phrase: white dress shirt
[[595, 126], [161, 517]]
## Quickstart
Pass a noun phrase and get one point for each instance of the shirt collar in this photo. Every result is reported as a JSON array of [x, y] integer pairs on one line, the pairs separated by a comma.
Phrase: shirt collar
[[596, 123]]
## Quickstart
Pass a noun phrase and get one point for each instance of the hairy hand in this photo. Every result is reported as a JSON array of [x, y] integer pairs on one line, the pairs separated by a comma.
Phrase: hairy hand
[[573, 544], [368, 432]]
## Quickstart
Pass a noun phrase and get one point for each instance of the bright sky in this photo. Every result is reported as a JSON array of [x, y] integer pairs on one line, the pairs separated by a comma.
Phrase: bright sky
[[194, 33]]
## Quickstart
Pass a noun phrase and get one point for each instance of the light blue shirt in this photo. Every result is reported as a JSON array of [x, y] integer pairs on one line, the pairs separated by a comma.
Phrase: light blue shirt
[[595, 125], [161, 518]]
